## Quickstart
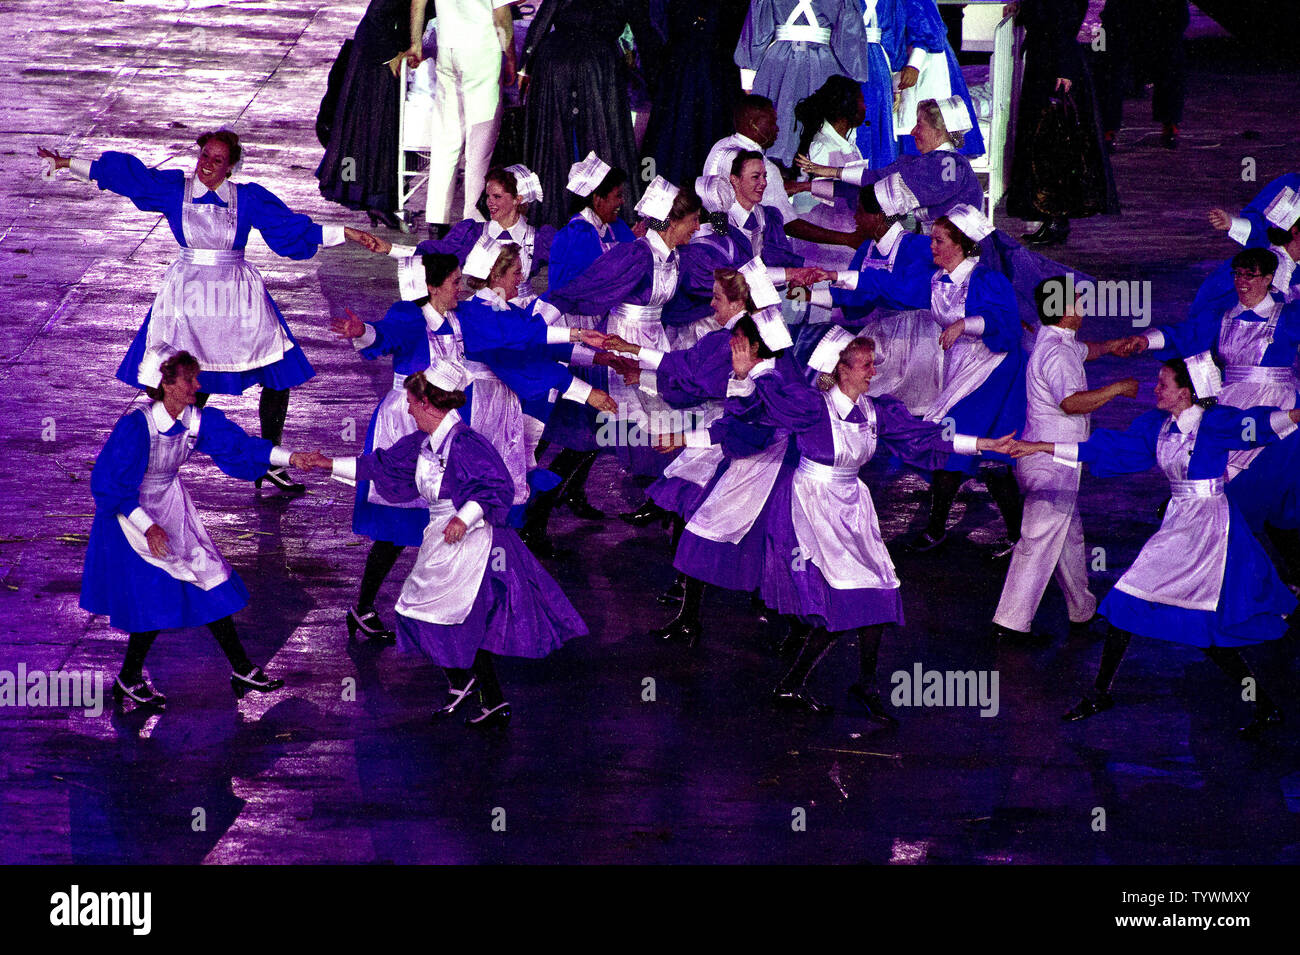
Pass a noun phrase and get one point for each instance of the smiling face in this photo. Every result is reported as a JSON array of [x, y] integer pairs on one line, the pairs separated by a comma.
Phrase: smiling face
[[501, 205], [944, 248], [751, 183], [607, 207], [724, 309], [444, 297], [854, 373], [681, 230], [1251, 285], [507, 285], [214, 164], [182, 391], [1169, 397], [928, 137]]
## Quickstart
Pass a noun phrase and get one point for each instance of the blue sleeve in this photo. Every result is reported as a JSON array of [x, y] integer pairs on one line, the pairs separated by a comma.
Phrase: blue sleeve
[[699, 373], [392, 470], [574, 248], [1233, 429], [789, 405], [757, 34], [1217, 287], [542, 242], [924, 26], [458, 240], [914, 441], [287, 233], [900, 288], [697, 263], [150, 190], [119, 469], [914, 252], [1199, 332], [1286, 339], [231, 448], [607, 282], [1110, 453], [1254, 210], [777, 248], [475, 472], [398, 331], [486, 330], [992, 298]]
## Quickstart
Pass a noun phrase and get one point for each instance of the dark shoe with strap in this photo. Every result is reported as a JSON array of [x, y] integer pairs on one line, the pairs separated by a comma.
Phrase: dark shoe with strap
[[646, 514], [1089, 706], [254, 679], [496, 717], [873, 704], [579, 506], [673, 595], [457, 698], [679, 630], [926, 541], [798, 698], [139, 692], [367, 623], [279, 479]]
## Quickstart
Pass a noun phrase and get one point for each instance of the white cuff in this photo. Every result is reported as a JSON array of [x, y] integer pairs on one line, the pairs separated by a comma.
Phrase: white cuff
[[280, 457], [550, 314], [747, 78], [821, 296], [650, 357], [965, 444], [973, 325], [917, 58], [366, 339], [698, 439], [344, 470], [578, 391], [402, 252], [582, 357], [776, 275], [847, 280], [471, 513], [140, 518], [332, 235], [766, 366], [649, 383], [1281, 423], [1066, 453], [1155, 338], [739, 389], [80, 169], [557, 335], [853, 171], [1238, 231], [823, 189]]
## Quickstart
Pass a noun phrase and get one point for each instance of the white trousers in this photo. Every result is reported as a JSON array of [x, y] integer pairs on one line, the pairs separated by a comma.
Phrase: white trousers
[[466, 119], [1051, 544]]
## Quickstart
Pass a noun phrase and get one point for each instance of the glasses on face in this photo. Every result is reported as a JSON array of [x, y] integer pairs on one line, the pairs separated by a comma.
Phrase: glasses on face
[[1246, 274]]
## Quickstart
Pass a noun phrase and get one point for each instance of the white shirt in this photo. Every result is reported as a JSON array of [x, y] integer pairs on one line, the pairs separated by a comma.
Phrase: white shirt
[[468, 23], [1054, 373], [718, 163]]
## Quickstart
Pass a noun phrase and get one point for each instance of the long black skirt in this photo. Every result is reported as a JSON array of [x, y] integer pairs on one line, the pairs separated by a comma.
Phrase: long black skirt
[[359, 169]]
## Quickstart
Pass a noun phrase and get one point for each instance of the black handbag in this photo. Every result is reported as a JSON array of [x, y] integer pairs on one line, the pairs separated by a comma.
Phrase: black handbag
[[1067, 165]]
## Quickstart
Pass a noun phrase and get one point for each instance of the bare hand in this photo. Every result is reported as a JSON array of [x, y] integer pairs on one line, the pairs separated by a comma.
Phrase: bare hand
[[641, 228], [1127, 388], [742, 358], [1221, 219], [395, 64], [907, 77], [1003, 445], [1023, 449], [414, 56], [157, 538], [371, 242], [315, 461], [601, 401], [1128, 347], [60, 162], [668, 443], [591, 338], [806, 275], [1062, 83], [618, 343], [952, 333], [814, 169], [455, 530], [348, 328]]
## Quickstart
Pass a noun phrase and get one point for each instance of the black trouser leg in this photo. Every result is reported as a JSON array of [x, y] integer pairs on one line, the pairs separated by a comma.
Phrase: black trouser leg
[[542, 445], [487, 679], [814, 648], [692, 600], [943, 491], [137, 647], [565, 463], [1112, 654], [272, 409], [228, 640], [383, 555], [1005, 492], [679, 528], [868, 653], [1230, 662], [577, 486]]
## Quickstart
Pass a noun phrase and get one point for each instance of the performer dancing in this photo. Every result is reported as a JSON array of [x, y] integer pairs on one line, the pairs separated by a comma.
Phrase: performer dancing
[[1202, 579], [475, 592], [212, 303], [150, 564]]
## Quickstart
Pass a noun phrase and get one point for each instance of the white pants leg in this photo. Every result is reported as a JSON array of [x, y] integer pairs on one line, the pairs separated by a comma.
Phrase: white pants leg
[[466, 118], [1051, 542]]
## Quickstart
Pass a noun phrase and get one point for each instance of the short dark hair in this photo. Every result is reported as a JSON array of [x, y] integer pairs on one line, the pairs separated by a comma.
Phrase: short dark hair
[[227, 136], [171, 370], [613, 179], [1047, 290], [742, 157], [438, 266], [1262, 260], [968, 245], [745, 325], [869, 202], [1183, 379], [421, 388], [749, 104]]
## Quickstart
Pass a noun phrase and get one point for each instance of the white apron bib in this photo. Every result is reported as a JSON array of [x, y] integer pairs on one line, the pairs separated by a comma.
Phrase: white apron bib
[[497, 415], [1182, 564], [968, 363], [832, 511], [446, 578], [212, 303], [642, 325], [1246, 383], [732, 507], [192, 557]]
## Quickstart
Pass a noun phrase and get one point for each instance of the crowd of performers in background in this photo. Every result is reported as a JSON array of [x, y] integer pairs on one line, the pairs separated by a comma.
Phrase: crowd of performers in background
[[744, 350]]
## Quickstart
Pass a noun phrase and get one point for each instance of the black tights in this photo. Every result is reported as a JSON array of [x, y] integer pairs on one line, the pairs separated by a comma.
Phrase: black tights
[[272, 409], [486, 675], [818, 643], [1004, 490], [1226, 659], [138, 644], [383, 555]]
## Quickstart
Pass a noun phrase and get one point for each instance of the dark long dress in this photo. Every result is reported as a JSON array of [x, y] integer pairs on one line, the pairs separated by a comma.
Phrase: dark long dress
[[359, 168], [1051, 51], [577, 100], [697, 88]]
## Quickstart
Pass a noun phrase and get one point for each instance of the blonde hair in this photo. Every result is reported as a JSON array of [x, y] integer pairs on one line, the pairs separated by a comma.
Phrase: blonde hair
[[734, 287], [506, 258], [825, 381]]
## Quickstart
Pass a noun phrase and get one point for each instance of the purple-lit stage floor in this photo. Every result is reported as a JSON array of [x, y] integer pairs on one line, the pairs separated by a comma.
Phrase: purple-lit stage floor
[[590, 770]]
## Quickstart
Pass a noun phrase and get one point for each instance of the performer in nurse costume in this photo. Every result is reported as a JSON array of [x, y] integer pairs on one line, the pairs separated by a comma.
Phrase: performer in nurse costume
[[1202, 579], [475, 591], [1281, 235], [1250, 226], [212, 303], [824, 562], [689, 315], [150, 563]]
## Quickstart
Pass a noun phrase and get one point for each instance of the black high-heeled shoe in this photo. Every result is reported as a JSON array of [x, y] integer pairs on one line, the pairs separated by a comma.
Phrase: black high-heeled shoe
[[873, 704], [1089, 706], [456, 698], [141, 693], [279, 478], [379, 216], [798, 698], [647, 514], [678, 630], [579, 506], [1055, 231], [254, 679], [497, 717], [368, 624]]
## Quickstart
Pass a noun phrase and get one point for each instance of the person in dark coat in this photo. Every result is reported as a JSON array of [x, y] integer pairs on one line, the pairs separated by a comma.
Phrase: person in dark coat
[[1050, 180], [576, 99], [1143, 41]]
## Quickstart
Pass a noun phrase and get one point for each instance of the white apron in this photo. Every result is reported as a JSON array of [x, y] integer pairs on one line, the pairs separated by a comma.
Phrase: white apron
[[192, 557], [1246, 383], [1182, 564], [642, 325], [969, 362], [833, 514], [732, 507], [698, 465], [212, 303], [497, 415], [446, 578]]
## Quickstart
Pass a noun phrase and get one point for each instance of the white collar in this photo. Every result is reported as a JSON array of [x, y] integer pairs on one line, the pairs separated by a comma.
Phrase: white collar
[[163, 420], [490, 296], [764, 367], [944, 147], [962, 272], [738, 215], [444, 428], [832, 134], [222, 190], [1190, 419], [1265, 309], [885, 244], [657, 245], [432, 317], [589, 214], [1067, 333], [518, 231], [841, 402], [730, 323]]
